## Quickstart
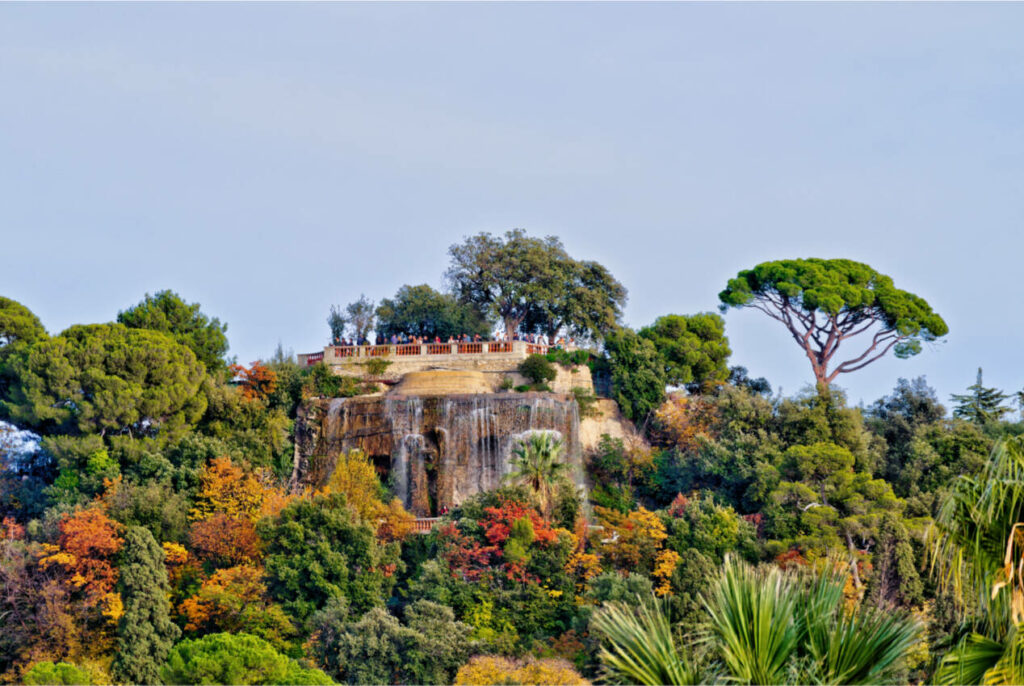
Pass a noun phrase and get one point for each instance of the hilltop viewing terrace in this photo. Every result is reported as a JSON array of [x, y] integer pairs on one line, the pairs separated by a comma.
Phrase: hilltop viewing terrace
[[490, 355]]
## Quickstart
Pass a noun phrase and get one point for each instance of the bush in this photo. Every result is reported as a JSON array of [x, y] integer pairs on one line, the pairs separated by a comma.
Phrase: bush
[[507, 383], [538, 369], [42, 673], [487, 669], [234, 659], [377, 366], [586, 401], [524, 388], [566, 358]]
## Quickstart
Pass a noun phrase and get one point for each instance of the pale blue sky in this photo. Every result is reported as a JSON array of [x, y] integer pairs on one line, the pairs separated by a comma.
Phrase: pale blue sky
[[268, 160]]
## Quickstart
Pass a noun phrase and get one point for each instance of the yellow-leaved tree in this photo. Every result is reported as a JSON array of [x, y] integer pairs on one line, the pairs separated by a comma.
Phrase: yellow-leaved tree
[[356, 478]]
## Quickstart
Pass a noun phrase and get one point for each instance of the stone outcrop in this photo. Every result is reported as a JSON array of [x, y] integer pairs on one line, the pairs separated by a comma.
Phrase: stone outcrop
[[438, 446]]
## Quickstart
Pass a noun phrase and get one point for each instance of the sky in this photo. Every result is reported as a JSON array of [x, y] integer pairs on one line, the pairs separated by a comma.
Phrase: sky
[[270, 160]]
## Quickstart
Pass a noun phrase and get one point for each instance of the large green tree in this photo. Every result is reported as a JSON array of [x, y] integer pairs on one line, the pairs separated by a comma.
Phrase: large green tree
[[532, 283], [104, 378], [637, 371], [585, 301], [827, 303], [422, 311], [167, 312], [17, 323], [428, 649], [317, 550], [145, 633], [694, 348]]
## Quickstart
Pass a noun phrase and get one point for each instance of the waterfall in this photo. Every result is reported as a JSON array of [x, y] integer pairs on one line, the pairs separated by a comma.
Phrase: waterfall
[[443, 449]]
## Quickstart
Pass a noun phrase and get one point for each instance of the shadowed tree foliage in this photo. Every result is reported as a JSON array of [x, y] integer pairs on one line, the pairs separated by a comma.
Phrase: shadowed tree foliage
[[105, 378], [825, 303], [145, 632], [167, 312], [422, 311], [694, 348], [427, 648], [533, 284]]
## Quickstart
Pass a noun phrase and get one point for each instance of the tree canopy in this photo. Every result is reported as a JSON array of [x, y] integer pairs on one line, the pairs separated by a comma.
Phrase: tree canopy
[[422, 311], [824, 303], [533, 284], [694, 348], [234, 659], [638, 373], [18, 324], [104, 378], [981, 404], [185, 323]]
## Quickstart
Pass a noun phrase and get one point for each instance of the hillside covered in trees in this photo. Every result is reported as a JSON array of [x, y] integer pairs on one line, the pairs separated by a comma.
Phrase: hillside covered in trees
[[150, 532]]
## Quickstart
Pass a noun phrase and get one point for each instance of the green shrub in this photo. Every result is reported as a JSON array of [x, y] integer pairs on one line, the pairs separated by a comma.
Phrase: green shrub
[[377, 366], [538, 369], [524, 388], [507, 383], [568, 358], [43, 673], [586, 401]]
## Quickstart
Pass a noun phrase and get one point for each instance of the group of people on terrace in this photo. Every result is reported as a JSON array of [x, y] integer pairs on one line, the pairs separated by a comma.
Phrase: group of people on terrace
[[403, 339]]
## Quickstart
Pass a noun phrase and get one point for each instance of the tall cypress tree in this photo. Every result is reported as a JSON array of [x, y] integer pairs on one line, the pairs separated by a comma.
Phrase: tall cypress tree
[[145, 633]]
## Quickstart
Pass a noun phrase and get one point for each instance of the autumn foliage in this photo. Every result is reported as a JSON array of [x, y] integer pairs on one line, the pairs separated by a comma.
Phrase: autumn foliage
[[86, 549], [257, 382], [224, 541], [683, 421]]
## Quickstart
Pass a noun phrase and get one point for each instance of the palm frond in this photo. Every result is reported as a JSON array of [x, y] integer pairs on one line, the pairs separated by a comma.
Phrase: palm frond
[[640, 648], [752, 621]]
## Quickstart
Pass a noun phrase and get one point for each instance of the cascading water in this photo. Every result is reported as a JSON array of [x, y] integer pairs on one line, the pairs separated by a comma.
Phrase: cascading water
[[438, 450]]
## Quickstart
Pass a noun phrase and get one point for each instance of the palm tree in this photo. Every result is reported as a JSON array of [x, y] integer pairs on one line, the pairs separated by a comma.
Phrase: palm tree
[[537, 465], [978, 553], [765, 626]]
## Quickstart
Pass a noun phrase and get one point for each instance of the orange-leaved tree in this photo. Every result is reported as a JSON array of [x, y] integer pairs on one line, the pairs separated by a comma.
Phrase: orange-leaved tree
[[257, 382], [235, 600]]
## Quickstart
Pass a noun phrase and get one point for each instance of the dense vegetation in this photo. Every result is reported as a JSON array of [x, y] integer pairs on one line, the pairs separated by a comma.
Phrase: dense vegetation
[[150, 536]]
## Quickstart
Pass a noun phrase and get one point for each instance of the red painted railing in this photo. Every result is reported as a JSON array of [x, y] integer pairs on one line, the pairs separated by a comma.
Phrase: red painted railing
[[409, 350]]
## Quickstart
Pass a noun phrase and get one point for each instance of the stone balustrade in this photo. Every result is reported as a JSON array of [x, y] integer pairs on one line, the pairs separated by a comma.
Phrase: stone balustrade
[[341, 355]]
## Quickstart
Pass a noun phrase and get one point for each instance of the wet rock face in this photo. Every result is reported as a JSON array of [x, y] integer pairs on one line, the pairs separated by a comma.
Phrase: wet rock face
[[434, 450]]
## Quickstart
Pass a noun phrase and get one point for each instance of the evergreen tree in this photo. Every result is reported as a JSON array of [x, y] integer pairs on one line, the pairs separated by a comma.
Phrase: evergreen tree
[[145, 632], [980, 405]]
